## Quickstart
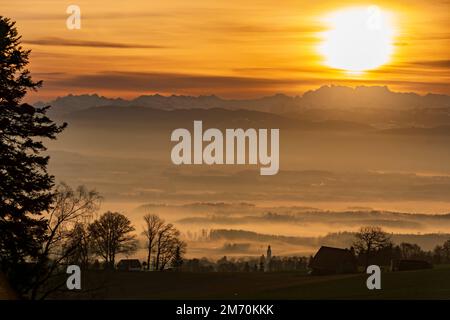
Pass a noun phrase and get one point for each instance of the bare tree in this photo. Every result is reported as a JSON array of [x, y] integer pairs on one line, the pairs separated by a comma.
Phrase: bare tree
[[369, 240], [169, 249], [163, 241], [153, 225], [112, 234], [70, 208], [166, 242]]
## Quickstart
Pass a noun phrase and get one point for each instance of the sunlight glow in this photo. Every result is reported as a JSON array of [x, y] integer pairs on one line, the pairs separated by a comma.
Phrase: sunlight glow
[[359, 39]]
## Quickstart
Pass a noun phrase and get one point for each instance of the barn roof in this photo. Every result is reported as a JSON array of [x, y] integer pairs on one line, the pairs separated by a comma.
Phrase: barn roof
[[329, 257]]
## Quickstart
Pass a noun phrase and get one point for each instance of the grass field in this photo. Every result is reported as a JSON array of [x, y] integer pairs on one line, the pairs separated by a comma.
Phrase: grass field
[[421, 284]]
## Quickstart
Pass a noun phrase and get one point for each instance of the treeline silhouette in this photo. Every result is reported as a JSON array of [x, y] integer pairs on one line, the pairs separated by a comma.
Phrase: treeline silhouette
[[371, 245], [383, 257], [255, 264], [407, 251]]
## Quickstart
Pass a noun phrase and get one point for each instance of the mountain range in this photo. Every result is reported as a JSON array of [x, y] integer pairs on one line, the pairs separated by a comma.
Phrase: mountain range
[[325, 97]]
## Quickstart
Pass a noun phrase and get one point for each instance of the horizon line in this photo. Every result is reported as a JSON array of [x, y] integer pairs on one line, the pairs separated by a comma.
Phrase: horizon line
[[300, 95]]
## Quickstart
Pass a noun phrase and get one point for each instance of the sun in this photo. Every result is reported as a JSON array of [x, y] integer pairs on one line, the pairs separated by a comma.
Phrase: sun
[[358, 39]]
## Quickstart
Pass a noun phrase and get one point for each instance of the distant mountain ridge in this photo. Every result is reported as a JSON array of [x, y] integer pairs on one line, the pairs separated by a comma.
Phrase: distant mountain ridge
[[326, 97]]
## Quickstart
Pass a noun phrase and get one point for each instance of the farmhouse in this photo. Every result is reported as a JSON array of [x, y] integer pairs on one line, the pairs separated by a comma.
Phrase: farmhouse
[[330, 260], [129, 265]]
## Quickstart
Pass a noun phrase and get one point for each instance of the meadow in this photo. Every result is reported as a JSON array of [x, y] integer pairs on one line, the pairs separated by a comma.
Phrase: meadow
[[418, 284]]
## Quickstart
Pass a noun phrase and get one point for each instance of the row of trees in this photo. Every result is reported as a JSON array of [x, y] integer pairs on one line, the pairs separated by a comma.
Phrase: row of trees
[[255, 264], [373, 245], [80, 240], [73, 236]]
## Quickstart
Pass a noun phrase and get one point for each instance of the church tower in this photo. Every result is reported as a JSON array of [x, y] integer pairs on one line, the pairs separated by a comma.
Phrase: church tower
[[268, 259]]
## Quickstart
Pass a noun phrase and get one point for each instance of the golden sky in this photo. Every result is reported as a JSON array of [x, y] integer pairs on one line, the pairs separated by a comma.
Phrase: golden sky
[[231, 48]]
